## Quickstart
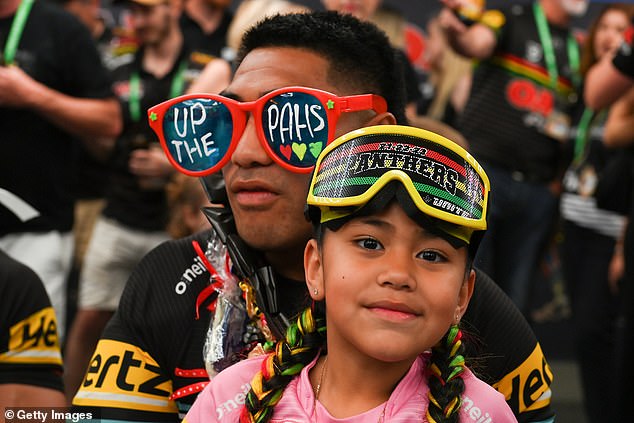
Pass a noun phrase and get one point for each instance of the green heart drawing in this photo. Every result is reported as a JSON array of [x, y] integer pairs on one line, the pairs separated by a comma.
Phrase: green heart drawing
[[299, 150], [315, 148]]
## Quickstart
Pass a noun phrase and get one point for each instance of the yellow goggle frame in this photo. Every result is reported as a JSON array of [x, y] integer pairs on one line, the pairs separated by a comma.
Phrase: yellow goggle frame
[[443, 180]]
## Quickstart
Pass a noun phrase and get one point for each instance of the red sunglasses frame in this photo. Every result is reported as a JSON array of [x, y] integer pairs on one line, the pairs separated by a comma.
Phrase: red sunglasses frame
[[333, 105]]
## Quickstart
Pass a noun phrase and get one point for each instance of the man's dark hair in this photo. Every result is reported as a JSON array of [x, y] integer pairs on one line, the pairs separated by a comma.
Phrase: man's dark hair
[[360, 55]]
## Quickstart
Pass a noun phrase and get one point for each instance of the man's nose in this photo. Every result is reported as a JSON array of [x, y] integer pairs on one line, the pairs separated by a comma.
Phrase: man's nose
[[249, 152]]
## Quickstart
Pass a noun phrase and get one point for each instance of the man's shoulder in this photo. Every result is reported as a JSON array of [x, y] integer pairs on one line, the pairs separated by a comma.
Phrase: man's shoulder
[[29, 346], [22, 290], [504, 351], [483, 400], [173, 265], [493, 316], [224, 397]]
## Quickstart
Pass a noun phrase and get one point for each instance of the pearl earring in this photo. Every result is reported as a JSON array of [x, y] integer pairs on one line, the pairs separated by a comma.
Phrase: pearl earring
[[315, 291]]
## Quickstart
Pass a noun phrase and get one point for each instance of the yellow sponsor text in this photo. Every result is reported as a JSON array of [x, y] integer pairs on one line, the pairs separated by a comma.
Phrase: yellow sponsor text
[[34, 340], [121, 375]]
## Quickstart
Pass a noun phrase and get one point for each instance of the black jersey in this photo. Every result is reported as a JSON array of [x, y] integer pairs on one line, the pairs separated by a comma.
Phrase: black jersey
[[512, 104], [29, 346], [212, 43], [56, 50], [126, 201], [149, 366], [503, 350]]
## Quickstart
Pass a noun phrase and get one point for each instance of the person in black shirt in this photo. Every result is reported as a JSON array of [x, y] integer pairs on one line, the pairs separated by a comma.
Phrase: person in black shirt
[[609, 80], [30, 357], [516, 120], [156, 341], [54, 94], [204, 24]]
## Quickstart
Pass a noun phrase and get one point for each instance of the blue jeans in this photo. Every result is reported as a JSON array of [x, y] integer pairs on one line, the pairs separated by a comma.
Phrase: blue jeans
[[520, 220]]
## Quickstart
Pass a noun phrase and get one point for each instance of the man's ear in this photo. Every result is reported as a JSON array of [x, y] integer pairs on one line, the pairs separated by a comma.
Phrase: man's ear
[[386, 118], [313, 270]]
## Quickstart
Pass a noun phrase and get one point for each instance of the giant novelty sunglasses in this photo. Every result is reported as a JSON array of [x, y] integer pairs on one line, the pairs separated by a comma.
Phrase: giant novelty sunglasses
[[442, 179], [199, 132]]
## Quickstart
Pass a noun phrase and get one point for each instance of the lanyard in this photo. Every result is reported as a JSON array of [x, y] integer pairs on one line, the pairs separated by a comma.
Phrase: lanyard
[[178, 83], [15, 33], [582, 137], [549, 51]]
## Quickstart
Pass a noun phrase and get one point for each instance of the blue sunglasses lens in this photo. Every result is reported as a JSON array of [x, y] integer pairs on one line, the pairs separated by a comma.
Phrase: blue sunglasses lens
[[198, 133], [295, 125]]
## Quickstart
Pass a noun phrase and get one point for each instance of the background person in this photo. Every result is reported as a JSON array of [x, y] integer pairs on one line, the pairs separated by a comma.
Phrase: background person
[[53, 95], [516, 120], [186, 197], [249, 12], [610, 79], [135, 214], [448, 79], [591, 232], [30, 357], [204, 24]]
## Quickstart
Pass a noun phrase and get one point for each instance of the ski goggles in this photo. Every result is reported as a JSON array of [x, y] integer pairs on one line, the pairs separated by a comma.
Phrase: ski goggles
[[199, 132], [442, 179]]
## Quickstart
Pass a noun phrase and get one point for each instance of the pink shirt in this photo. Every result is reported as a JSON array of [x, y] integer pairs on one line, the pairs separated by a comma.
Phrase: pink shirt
[[223, 399]]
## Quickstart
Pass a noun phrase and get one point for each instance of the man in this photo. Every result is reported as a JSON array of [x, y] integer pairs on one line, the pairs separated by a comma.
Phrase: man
[[30, 357], [135, 215], [205, 24], [367, 10], [53, 92], [155, 353], [516, 120]]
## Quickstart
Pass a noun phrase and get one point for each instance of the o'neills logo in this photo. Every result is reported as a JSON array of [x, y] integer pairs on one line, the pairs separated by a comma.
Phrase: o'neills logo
[[191, 273]]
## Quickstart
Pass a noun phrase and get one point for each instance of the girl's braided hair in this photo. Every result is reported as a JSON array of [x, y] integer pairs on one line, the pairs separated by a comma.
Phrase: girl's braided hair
[[304, 339], [445, 382], [307, 336]]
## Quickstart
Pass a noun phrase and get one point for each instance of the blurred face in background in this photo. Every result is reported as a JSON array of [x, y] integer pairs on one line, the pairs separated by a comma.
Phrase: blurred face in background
[[575, 8], [360, 9], [436, 45], [151, 24], [609, 32]]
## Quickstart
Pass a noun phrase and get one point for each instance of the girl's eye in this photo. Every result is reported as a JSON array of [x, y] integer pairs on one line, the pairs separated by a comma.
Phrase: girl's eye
[[370, 244], [432, 256]]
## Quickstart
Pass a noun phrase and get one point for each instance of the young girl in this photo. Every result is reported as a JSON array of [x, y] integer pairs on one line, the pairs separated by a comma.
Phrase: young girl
[[398, 214]]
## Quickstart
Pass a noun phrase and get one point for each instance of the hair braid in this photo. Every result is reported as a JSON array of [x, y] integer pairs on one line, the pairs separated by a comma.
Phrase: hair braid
[[445, 382], [304, 338]]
